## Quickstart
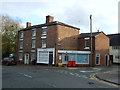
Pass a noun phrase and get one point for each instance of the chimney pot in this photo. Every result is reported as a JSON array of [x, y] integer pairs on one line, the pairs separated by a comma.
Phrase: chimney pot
[[28, 24], [49, 19]]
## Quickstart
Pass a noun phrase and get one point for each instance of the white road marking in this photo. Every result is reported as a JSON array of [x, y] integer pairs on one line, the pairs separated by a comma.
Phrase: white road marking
[[71, 74], [76, 74], [26, 75], [86, 71], [97, 68]]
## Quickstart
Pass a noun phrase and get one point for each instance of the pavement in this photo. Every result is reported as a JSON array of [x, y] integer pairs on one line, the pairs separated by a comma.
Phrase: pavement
[[110, 76]]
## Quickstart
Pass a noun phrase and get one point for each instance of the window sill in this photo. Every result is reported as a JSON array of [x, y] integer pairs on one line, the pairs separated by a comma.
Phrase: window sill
[[44, 34], [87, 48]]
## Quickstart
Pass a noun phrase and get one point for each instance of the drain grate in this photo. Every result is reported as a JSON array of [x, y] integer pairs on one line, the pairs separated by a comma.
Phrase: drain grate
[[90, 83]]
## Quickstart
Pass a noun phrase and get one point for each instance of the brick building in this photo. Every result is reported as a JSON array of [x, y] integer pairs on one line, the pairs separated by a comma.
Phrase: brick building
[[55, 42], [114, 48], [100, 47]]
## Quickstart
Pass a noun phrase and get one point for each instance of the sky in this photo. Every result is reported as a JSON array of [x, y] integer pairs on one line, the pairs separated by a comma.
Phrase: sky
[[71, 12]]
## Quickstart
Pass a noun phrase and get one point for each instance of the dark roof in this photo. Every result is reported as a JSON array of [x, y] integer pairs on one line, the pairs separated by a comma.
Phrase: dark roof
[[114, 39], [84, 35], [49, 24]]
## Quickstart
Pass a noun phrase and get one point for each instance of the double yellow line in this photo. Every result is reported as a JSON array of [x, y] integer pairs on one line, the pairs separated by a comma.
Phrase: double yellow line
[[93, 77]]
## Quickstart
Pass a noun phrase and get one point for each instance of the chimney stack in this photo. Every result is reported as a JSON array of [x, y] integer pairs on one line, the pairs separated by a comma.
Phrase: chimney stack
[[28, 24], [49, 19]]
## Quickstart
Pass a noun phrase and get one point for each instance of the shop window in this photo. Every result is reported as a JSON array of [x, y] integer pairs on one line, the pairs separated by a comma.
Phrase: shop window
[[82, 59]]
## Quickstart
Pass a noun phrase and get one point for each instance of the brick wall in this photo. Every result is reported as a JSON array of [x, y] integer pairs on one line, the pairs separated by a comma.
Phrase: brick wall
[[67, 38], [102, 47]]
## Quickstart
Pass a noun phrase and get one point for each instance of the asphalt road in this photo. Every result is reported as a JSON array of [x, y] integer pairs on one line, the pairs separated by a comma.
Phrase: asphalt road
[[23, 77]]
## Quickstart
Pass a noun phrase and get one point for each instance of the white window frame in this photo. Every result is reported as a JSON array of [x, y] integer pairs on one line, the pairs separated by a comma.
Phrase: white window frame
[[87, 46], [21, 34], [44, 44], [33, 43], [21, 44], [97, 55], [44, 28], [34, 32]]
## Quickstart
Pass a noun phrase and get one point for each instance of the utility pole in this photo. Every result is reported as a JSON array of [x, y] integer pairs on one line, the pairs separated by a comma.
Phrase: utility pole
[[91, 37]]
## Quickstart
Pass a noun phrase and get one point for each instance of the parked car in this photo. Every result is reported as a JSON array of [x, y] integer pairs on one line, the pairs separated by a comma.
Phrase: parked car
[[9, 61]]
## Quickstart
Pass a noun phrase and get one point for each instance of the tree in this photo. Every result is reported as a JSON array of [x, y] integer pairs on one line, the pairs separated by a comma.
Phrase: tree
[[9, 28]]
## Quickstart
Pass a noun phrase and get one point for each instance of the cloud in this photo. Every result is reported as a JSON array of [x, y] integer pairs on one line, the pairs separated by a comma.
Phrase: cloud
[[73, 12]]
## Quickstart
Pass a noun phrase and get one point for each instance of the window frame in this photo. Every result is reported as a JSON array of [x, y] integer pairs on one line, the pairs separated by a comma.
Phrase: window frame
[[21, 45], [21, 35], [44, 44], [97, 55], [87, 46], [34, 32], [33, 43], [44, 31]]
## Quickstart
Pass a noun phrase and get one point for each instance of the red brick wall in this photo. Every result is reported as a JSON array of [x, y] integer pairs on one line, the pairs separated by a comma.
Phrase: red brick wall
[[102, 47], [51, 36], [67, 38]]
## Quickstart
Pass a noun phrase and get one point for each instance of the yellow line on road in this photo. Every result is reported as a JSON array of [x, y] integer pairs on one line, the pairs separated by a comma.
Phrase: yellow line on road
[[93, 77]]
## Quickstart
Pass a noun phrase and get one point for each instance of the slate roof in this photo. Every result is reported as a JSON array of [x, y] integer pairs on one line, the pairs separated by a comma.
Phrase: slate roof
[[114, 39], [85, 35], [49, 24]]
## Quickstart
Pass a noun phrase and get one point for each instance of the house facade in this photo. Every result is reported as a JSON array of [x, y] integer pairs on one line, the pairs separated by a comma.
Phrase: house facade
[[114, 48], [55, 42], [100, 47]]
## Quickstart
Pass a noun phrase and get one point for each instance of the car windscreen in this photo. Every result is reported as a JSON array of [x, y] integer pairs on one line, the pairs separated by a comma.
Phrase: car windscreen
[[8, 59]]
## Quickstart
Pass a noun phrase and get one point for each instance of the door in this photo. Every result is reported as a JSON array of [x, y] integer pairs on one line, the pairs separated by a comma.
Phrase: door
[[26, 59], [106, 60], [50, 58]]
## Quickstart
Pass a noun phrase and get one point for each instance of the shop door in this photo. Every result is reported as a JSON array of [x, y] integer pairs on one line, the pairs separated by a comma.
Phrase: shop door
[[106, 60], [50, 58]]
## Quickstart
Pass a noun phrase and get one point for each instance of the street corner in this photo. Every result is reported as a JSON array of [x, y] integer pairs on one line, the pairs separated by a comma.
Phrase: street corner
[[109, 77]]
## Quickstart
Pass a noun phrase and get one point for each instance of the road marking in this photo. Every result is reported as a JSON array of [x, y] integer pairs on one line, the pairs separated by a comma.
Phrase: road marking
[[86, 71], [71, 74], [97, 68], [92, 76], [26, 75]]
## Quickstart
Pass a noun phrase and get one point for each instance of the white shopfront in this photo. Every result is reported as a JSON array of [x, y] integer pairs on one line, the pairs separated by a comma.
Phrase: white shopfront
[[46, 56], [81, 57]]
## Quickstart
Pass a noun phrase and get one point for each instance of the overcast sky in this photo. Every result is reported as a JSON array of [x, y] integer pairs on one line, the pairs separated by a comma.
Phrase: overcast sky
[[72, 12]]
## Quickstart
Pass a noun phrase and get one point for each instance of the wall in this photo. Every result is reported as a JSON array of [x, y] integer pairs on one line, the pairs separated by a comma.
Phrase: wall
[[102, 47], [67, 38]]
